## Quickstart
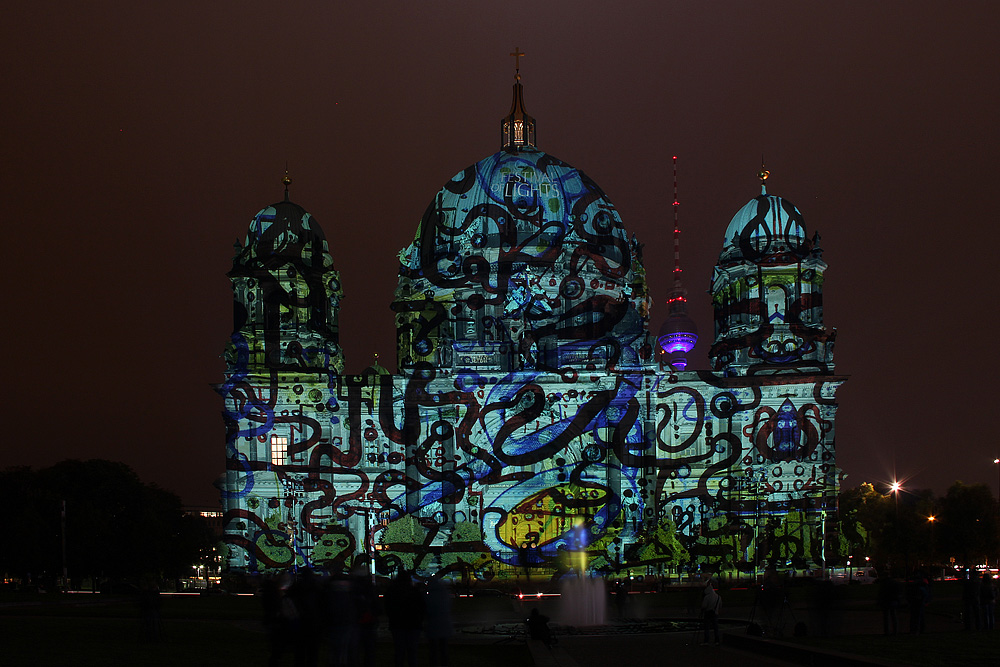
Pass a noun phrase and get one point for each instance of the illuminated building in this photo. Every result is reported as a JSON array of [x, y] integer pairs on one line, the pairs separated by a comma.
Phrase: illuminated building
[[530, 416]]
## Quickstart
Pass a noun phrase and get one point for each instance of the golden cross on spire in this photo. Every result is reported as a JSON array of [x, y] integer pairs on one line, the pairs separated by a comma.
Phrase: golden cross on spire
[[517, 58]]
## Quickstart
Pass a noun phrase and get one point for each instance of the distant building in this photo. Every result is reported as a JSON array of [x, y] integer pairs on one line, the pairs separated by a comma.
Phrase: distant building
[[534, 414], [212, 517]]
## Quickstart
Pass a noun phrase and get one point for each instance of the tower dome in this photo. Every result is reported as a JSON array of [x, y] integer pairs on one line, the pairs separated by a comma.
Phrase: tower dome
[[766, 227], [283, 229]]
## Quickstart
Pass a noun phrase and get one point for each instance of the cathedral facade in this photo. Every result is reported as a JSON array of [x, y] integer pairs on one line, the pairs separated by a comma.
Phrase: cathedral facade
[[534, 421]]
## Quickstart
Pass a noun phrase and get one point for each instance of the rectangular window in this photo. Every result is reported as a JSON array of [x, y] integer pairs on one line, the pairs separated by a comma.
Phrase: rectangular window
[[279, 449]]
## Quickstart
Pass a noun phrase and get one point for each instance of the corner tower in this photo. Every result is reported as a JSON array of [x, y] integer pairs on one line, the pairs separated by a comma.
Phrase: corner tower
[[767, 292], [280, 361], [286, 293]]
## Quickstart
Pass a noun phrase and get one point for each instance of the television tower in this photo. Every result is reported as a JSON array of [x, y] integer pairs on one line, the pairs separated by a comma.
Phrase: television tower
[[679, 334]]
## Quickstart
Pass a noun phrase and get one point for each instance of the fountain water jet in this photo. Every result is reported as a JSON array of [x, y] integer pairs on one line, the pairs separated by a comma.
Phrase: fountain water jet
[[583, 602]]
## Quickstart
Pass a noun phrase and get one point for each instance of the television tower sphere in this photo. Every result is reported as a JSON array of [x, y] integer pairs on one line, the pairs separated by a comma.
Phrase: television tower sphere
[[678, 336]]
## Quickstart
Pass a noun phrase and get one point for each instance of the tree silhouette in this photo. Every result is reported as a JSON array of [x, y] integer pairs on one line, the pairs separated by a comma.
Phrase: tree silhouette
[[968, 526], [115, 525]]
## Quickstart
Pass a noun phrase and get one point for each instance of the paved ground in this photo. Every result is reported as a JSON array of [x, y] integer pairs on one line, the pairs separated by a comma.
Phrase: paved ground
[[620, 642], [672, 648], [616, 644]]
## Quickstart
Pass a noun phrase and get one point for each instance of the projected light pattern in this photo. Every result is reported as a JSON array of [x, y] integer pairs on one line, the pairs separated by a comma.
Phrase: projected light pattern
[[530, 419], [767, 290], [521, 262]]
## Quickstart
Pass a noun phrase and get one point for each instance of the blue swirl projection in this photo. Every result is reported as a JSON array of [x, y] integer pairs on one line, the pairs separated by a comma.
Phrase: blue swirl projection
[[529, 418]]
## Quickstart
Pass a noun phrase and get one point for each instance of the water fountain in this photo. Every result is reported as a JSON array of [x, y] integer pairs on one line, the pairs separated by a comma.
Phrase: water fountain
[[583, 602]]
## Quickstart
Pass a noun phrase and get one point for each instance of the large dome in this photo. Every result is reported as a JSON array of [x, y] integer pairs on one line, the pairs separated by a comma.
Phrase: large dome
[[531, 246], [767, 225], [518, 207]]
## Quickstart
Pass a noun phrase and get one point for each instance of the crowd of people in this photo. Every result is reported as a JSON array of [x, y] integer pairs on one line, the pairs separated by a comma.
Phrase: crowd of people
[[979, 597], [338, 616], [979, 594]]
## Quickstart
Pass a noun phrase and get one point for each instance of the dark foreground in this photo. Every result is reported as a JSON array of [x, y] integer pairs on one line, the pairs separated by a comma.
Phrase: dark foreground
[[82, 630]]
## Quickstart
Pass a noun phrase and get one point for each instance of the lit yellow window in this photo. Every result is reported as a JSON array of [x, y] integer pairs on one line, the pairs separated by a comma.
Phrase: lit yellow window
[[279, 449]]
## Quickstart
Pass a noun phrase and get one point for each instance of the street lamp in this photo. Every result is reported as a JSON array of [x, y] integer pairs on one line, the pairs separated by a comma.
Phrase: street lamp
[[996, 461], [894, 489], [931, 519]]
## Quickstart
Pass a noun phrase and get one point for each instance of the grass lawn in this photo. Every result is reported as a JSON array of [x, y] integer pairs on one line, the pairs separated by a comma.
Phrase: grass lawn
[[98, 640], [195, 631]]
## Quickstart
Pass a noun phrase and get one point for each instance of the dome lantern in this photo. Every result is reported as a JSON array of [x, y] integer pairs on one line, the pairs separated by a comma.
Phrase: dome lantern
[[517, 128]]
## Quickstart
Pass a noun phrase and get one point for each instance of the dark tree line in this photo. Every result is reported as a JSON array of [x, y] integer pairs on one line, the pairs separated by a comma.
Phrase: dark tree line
[[908, 528], [116, 526]]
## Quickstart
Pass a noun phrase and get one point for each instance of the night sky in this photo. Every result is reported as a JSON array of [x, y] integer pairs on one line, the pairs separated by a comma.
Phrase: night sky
[[140, 139]]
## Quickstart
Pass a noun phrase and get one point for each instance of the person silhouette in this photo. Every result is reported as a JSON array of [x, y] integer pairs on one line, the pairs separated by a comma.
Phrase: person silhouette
[[538, 627], [711, 604], [404, 606]]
